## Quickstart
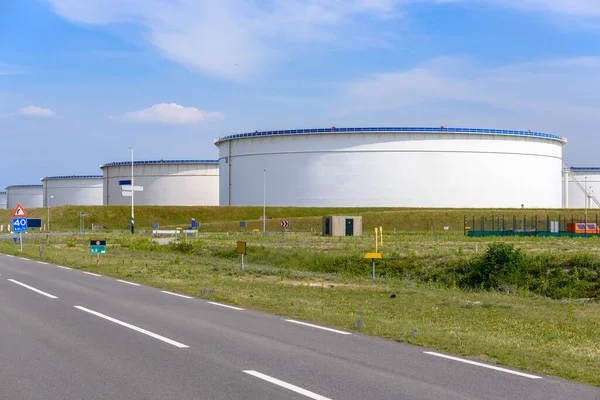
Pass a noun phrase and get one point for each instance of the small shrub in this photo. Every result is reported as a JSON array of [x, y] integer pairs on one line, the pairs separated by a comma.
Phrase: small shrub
[[500, 265]]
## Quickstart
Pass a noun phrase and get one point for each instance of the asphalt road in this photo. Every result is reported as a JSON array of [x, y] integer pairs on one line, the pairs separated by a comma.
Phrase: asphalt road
[[66, 334]]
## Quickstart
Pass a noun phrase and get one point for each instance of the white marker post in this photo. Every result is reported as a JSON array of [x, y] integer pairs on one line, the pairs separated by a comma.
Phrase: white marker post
[[241, 249]]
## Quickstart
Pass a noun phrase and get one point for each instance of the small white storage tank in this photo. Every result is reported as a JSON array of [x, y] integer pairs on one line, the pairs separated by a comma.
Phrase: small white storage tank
[[579, 179], [73, 190], [3, 201], [392, 167], [29, 196], [164, 182]]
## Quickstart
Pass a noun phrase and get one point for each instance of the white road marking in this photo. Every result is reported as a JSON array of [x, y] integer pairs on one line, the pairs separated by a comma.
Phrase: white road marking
[[508, 371], [225, 305], [60, 266], [288, 386], [23, 258], [90, 273], [177, 294], [318, 327], [8, 255], [133, 327], [41, 262], [34, 289], [129, 283]]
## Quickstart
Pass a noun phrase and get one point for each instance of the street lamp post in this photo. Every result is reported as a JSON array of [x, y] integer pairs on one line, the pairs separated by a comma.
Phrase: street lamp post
[[586, 202], [48, 206], [264, 198], [132, 193]]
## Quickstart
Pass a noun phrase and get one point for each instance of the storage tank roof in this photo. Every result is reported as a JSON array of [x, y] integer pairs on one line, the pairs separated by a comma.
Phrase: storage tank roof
[[73, 177], [585, 169], [23, 186], [155, 162], [333, 130]]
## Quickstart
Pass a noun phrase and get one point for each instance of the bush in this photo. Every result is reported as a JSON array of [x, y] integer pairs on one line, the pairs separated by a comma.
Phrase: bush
[[501, 265]]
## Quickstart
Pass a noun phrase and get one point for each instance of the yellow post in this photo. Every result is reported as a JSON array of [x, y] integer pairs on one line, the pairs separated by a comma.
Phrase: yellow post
[[381, 235], [376, 240]]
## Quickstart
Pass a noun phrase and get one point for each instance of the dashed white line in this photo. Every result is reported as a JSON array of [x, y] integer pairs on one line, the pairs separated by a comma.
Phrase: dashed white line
[[8, 255], [508, 371], [90, 273], [23, 258], [133, 327], [127, 282], [287, 386], [60, 266], [318, 327], [225, 305], [41, 262], [33, 289], [177, 294]]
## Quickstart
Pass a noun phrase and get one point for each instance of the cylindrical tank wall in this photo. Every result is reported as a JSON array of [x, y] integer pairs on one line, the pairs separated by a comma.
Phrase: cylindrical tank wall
[[388, 169], [586, 178], [28, 196], [3, 201], [184, 184], [73, 191]]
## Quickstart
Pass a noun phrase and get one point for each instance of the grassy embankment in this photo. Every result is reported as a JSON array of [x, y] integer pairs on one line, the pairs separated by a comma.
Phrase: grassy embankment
[[66, 218], [325, 280]]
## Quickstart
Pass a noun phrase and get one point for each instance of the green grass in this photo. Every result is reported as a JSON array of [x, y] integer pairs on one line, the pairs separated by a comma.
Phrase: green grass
[[325, 280], [303, 219]]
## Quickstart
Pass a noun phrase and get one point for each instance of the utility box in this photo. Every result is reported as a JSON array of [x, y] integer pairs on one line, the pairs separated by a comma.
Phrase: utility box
[[342, 226]]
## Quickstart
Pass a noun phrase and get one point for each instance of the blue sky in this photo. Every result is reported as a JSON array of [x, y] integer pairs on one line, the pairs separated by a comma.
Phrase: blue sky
[[80, 81]]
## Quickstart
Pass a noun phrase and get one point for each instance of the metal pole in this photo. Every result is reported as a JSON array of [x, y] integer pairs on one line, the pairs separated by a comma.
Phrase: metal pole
[[373, 268], [48, 206], [264, 198], [586, 203], [132, 194], [242, 262], [21, 242]]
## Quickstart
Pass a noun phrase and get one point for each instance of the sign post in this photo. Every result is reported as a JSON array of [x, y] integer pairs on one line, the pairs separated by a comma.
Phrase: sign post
[[241, 249], [373, 256], [19, 223], [97, 247]]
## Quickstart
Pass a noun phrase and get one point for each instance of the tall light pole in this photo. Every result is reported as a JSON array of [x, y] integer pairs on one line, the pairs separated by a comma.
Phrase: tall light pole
[[264, 198], [586, 202], [48, 205], [132, 192]]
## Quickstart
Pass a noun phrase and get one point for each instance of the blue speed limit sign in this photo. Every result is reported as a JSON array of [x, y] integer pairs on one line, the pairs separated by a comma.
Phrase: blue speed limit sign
[[19, 225]]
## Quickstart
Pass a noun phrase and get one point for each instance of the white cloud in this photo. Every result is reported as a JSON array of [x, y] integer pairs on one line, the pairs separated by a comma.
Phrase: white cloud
[[36, 112], [170, 114], [584, 8], [560, 96], [232, 39], [9, 69]]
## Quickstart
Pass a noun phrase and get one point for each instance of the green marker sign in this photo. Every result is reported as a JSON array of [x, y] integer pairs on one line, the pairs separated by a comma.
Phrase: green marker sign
[[97, 246]]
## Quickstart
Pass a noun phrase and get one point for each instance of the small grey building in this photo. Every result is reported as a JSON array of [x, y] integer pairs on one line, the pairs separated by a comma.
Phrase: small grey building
[[342, 226]]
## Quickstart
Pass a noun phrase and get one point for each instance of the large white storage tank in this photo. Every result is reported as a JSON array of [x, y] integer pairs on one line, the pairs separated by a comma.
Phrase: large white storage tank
[[29, 196], [164, 182], [73, 190], [3, 201], [392, 167], [580, 179]]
